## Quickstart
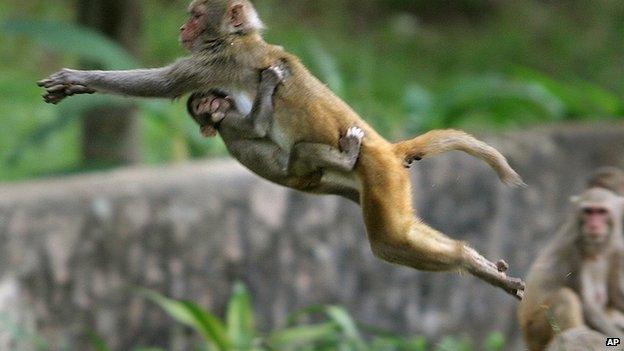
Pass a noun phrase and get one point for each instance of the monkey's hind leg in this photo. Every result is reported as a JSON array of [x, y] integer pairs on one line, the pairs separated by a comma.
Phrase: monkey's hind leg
[[436, 142], [396, 236]]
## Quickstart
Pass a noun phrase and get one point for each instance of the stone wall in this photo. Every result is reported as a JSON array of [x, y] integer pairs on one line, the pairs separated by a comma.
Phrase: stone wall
[[71, 249]]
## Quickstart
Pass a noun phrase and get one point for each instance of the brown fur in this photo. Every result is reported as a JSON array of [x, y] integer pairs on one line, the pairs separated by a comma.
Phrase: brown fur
[[564, 281], [610, 178], [579, 339], [229, 56]]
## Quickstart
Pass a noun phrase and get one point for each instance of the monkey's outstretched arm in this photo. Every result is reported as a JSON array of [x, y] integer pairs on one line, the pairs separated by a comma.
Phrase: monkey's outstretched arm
[[165, 82]]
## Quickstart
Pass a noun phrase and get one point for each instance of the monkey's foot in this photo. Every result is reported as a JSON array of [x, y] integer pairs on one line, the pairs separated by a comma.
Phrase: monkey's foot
[[502, 266], [351, 142], [409, 161], [494, 273]]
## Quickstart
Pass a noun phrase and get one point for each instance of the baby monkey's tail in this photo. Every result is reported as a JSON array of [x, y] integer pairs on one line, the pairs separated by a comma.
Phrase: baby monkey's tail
[[443, 140]]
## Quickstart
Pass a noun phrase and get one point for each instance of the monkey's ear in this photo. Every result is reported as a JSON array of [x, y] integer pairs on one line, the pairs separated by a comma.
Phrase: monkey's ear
[[242, 18]]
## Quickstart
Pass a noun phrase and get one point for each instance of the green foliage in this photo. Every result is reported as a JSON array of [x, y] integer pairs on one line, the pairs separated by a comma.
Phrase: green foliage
[[240, 324], [334, 330], [162, 119], [203, 322], [405, 66], [72, 39]]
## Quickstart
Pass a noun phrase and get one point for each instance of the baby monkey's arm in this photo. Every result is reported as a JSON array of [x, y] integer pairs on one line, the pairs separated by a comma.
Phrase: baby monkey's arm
[[209, 110]]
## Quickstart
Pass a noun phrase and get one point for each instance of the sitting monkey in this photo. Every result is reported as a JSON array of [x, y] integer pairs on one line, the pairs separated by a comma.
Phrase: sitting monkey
[[575, 281], [246, 140], [578, 339]]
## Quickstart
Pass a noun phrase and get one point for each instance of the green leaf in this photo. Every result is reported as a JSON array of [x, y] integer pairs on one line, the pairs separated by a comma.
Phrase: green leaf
[[97, 342], [498, 97], [294, 316], [299, 336], [494, 342], [69, 38], [347, 325], [193, 316], [453, 344], [582, 99], [240, 317]]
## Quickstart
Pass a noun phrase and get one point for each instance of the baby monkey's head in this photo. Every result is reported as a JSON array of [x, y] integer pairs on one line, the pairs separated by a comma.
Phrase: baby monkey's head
[[208, 110], [213, 20]]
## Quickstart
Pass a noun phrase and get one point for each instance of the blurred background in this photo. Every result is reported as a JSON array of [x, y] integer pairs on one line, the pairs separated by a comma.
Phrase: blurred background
[[100, 196]]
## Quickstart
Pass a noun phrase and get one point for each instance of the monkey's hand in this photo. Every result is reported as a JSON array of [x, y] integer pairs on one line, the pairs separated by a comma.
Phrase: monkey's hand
[[209, 111], [351, 142], [64, 83], [275, 74]]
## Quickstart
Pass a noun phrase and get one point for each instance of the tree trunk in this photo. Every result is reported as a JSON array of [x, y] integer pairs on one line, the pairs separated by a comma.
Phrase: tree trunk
[[110, 135]]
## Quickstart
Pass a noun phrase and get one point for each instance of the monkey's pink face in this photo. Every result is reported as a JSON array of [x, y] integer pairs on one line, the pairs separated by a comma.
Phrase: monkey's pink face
[[193, 27], [596, 222]]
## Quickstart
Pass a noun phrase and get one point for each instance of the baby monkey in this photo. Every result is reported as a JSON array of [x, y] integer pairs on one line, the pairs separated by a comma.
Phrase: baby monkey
[[245, 137]]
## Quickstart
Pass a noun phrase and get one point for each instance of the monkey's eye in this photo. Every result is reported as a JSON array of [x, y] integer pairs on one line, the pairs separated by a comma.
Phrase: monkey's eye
[[595, 211]]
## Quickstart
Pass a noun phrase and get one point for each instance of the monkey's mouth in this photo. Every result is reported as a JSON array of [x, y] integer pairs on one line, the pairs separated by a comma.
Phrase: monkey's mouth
[[594, 238]]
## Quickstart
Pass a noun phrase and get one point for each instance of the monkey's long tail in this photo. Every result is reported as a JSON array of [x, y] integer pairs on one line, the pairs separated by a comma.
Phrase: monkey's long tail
[[443, 140]]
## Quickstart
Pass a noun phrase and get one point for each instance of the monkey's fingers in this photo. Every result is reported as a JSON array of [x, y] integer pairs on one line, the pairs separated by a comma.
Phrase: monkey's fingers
[[490, 272], [78, 89], [502, 266], [51, 81], [271, 76], [352, 140], [54, 97], [204, 106], [208, 131], [517, 293], [276, 73], [43, 83], [513, 286], [57, 88], [48, 82]]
